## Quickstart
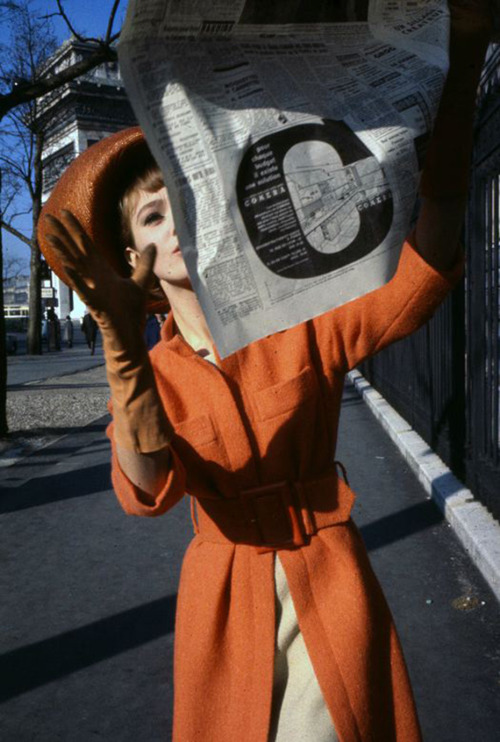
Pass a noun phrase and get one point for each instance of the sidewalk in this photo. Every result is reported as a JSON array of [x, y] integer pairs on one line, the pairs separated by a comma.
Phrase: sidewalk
[[88, 595], [50, 396], [473, 524], [448, 618]]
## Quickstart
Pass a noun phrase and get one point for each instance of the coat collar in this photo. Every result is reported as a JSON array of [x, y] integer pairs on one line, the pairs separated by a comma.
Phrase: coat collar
[[173, 339]]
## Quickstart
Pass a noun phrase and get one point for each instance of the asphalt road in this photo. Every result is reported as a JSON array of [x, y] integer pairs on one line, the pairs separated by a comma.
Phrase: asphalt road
[[88, 596]]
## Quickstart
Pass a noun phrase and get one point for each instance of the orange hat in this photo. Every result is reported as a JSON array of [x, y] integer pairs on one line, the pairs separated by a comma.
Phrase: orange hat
[[91, 188]]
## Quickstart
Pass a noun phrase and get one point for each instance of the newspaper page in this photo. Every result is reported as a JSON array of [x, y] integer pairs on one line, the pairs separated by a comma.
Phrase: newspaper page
[[290, 135]]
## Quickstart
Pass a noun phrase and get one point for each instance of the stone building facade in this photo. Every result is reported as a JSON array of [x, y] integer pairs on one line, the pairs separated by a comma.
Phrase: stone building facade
[[77, 115]]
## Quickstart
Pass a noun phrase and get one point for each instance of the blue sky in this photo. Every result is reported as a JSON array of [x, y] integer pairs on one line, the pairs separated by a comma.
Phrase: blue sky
[[90, 18]]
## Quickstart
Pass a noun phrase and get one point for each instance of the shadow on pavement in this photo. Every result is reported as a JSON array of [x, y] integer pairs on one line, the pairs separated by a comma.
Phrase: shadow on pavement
[[351, 400], [45, 661], [41, 432], [400, 525], [55, 487]]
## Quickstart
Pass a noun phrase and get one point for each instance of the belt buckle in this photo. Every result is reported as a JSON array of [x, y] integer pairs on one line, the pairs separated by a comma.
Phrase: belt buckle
[[285, 494]]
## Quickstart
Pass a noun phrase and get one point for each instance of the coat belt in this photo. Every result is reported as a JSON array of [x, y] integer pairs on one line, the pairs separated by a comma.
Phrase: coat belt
[[281, 515]]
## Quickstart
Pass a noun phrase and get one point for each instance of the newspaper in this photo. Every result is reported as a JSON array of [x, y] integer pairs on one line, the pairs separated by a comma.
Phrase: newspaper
[[290, 135]]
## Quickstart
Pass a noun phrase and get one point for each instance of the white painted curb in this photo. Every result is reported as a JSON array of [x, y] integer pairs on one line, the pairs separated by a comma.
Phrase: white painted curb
[[474, 526]]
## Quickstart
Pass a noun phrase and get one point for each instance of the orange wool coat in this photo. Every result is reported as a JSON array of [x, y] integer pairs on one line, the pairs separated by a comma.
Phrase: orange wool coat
[[269, 414]]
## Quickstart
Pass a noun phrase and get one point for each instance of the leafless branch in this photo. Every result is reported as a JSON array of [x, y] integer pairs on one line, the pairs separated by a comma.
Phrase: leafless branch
[[108, 39], [14, 167], [18, 213], [12, 268], [112, 15], [24, 136], [30, 91], [33, 78], [67, 21], [5, 132], [7, 201], [15, 232]]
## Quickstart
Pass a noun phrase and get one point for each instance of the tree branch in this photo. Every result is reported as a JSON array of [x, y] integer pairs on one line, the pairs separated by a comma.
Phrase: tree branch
[[67, 21], [108, 39], [7, 202], [23, 137], [12, 268], [18, 213], [15, 232], [30, 91], [14, 168], [112, 15]]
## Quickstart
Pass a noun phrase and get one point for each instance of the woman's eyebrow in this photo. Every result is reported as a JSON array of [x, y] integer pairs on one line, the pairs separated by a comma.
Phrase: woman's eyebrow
[[155, 203]]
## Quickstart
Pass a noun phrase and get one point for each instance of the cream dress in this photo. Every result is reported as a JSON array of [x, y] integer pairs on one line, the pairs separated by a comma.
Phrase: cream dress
[[299, 713]]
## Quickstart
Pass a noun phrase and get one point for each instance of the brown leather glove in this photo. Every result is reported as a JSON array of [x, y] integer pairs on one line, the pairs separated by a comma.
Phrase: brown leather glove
[[447, 164], [118, 306]]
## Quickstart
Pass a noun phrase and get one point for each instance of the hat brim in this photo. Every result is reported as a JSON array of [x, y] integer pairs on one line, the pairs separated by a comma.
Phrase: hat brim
[[91, 188]]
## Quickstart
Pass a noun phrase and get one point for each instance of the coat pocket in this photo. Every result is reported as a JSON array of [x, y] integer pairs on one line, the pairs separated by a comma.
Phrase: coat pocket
[[198, 431], [286, 395]]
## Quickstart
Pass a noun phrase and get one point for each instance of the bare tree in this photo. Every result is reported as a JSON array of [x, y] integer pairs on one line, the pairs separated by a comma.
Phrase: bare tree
[[18, 89], [25, 77], [9, 189], [3, 354], [12, 269], [32, 44]]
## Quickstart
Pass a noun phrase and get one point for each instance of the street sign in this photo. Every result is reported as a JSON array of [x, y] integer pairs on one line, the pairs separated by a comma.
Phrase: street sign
[[50, 303], [48, 293]]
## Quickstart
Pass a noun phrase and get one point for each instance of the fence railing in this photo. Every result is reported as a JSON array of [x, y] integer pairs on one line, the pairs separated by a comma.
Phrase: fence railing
[[445, 379], [423, 377], [483, 301]]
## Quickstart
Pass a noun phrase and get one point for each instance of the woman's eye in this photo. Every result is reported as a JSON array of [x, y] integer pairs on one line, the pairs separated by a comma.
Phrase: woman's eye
[[153, 217]]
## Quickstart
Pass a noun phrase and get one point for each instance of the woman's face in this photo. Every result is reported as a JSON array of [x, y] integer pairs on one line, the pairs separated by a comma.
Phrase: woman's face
[[151, 221]]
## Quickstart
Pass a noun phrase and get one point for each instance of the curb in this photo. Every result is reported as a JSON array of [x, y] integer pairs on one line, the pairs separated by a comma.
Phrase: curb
[[474, 526]]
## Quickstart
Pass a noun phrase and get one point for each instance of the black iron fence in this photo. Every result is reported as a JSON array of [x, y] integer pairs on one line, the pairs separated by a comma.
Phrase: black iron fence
[[483, 298], [445, 379], [423, 377]]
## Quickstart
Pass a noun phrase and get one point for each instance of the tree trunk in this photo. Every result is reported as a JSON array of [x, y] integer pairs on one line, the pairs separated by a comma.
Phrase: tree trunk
[[35, 300], [3, 349], [35, 304]]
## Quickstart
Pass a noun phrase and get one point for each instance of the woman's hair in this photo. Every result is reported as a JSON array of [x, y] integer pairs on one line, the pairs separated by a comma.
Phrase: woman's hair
[[141, 172], [146, 176]]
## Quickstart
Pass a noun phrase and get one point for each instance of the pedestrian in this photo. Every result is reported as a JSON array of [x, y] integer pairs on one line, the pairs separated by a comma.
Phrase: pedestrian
[[89, 328], [57, 332], [68, 331], [49, 332], [282, 631], [53, 331], [151, 331]]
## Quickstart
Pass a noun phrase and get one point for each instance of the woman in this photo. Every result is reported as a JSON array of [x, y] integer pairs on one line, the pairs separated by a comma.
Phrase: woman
[[282, 631]]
